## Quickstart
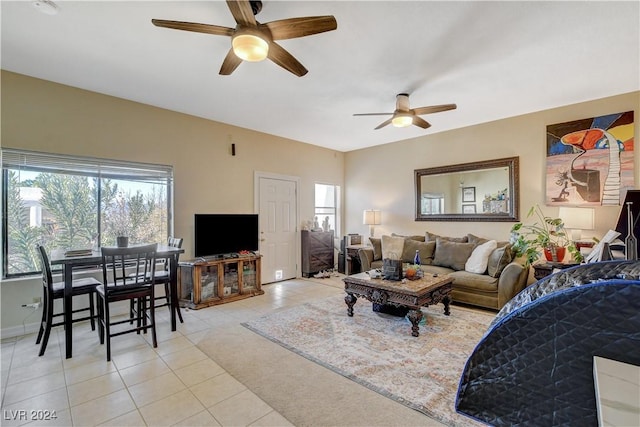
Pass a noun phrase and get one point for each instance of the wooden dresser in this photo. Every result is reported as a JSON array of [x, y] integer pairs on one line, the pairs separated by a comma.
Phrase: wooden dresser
[[317, 252]]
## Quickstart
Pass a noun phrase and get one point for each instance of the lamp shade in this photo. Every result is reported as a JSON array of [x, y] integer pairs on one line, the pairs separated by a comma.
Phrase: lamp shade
[[577, 218], [371, 217]]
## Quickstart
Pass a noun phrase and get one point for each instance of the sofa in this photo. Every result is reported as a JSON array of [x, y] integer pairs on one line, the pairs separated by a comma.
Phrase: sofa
[[534, 364], [483, 270]]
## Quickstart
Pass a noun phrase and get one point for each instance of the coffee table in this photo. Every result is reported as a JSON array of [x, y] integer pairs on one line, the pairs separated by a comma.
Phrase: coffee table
[[412, 294]]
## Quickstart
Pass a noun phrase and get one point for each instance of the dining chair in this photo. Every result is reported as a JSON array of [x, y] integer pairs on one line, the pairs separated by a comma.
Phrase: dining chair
[[163, 277], [55, 290], [128, 274]]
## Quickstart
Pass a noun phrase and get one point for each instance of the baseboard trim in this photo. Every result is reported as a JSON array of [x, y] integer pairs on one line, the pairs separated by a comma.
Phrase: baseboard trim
[[19, 330]]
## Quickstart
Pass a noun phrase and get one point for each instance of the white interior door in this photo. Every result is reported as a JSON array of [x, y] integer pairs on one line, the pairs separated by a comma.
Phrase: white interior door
[[278, 218]]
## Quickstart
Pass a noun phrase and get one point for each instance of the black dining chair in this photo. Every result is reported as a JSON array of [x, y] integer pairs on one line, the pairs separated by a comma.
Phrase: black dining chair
[[52, 291], [163, 277], [128, 274]]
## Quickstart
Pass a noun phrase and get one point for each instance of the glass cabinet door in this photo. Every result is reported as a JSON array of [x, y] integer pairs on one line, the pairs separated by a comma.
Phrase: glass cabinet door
[[209, 282], [231, 279], [249, 276]]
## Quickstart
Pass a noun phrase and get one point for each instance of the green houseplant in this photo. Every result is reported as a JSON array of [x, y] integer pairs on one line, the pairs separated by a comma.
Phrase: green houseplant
[[544, 235]]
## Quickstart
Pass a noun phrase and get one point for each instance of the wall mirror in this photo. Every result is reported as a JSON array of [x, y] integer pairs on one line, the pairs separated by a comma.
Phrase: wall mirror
[[478, 191]]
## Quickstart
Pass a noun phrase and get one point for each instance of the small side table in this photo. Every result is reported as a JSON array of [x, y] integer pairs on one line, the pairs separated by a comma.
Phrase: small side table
[[542, 270]]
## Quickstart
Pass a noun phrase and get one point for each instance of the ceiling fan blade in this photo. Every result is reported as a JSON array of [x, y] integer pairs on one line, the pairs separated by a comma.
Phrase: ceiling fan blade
[[434, 109], [230, 63], [284, 59], [192, 26], [242, 12], [299, 27], [420, 122], [373, 114], [383, 124]]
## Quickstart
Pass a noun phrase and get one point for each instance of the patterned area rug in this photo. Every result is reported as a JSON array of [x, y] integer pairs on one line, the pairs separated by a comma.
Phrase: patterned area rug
[[377, 350]]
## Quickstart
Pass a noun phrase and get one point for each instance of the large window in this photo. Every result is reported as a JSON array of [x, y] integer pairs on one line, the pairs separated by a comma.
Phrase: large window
[[327, 207], [67, 203]]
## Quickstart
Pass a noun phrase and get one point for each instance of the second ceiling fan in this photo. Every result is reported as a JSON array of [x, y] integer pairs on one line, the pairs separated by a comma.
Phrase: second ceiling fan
[[253, 41], [404, 116]]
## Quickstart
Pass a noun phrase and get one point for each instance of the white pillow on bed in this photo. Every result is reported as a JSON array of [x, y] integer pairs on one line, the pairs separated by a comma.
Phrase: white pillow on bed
[[477, 262]]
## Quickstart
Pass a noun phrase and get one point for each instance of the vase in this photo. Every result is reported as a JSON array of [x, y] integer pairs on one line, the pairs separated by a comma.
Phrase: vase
[[555, 253], [122, 241]]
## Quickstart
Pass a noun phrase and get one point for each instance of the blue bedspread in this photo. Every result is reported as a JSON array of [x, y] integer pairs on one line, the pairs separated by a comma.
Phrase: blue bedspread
[[534, 365]]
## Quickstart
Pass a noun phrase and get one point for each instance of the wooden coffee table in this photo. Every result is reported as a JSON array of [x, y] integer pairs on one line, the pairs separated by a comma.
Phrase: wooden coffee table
[[411, 294]]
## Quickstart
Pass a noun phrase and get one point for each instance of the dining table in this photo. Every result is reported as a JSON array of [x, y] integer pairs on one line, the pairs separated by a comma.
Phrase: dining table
[[86, 260]]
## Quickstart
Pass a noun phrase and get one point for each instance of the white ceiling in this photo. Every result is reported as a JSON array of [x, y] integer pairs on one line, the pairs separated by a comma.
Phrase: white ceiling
[[493, 59]]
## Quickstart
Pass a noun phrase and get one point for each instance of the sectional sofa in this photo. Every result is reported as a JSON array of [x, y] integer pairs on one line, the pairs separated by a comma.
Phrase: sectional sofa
[[484, 271]]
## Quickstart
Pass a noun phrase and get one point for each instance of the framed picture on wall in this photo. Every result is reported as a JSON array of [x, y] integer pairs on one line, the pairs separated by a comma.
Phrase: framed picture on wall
[[468, 209], [468, 194]]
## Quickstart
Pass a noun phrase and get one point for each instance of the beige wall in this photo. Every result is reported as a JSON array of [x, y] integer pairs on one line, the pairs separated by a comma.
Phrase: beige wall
[[383, 177], [43, 116]]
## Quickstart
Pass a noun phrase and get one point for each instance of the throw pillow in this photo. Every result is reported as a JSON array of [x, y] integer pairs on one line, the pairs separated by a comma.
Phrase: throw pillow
[[471, 238], [430, 237], [498, 260], [392, 247], [452, 254], [477, 262], [377, 248], [418, 238], [425, 249]]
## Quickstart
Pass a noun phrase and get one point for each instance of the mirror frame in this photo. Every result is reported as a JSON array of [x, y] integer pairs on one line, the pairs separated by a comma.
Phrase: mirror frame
[[514, 189]]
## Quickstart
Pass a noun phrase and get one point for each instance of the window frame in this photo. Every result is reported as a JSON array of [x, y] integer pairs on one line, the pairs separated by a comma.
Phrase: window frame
[[91, 167], [336, 209]]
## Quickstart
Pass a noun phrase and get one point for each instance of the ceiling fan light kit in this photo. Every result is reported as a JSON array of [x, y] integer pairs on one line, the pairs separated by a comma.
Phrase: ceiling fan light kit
[[252, 41], [249, 47], [402, 120], [404, 116]]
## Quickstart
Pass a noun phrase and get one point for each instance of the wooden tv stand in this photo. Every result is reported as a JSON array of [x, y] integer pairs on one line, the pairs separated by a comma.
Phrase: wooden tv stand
[[204, 282]]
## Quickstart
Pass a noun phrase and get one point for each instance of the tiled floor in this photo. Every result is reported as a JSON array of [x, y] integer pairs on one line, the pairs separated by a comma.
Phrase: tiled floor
[[173, 384]]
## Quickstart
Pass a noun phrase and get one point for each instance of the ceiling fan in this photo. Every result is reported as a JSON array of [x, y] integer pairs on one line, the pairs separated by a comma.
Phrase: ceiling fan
[[253, 41], [404, 116]]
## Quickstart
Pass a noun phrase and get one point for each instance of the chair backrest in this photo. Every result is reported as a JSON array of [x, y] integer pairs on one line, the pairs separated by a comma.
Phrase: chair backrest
[[174, 242], [130, 267], [47, 278]]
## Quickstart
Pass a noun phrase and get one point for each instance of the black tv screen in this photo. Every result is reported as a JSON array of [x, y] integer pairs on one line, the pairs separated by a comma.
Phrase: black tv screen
[[221, 234]]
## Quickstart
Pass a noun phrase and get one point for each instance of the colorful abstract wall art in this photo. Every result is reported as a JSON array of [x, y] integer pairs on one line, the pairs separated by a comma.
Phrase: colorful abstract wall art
[[590, 161]]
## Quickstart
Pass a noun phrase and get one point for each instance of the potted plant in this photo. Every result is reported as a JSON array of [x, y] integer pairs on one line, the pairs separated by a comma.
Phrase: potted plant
[[545, 235]]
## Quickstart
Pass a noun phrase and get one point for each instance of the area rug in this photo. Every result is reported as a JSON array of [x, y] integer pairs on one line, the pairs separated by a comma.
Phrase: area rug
[[377, 350]]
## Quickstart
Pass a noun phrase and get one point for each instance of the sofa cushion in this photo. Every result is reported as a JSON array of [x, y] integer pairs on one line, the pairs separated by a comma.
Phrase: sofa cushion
[[434, 269], [430, 237], [477, 262], [425, 249], [418, 238], [452, 254], [498, 260], [463, 280], [377, 248], [376, 264], [392, 247]]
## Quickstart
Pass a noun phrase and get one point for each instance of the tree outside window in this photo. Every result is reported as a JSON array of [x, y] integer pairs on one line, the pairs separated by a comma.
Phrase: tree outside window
[[66, 210]]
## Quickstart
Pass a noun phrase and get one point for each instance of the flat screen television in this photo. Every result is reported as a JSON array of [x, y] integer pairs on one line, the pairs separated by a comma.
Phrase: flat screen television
[[221, 234]]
